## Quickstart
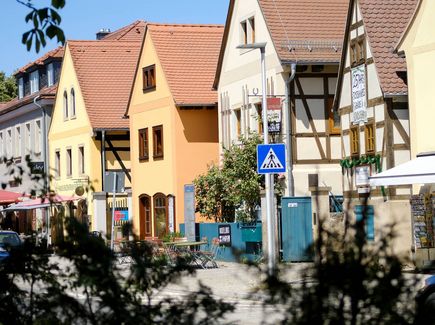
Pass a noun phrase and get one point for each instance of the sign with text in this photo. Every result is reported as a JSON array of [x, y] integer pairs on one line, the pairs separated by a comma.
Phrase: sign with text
[[37, 167], [362, 174], [189, 212], [274, 115], [359, 95], [224, 235], [121, 215]]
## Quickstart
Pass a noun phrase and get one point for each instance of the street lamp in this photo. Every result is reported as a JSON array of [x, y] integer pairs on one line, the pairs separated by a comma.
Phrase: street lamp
[[270, 216]]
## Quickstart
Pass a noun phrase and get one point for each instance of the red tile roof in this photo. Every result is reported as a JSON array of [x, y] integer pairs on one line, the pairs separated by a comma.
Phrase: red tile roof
[[132, 32], [105, 70], [385, 21], [188, 54], [57, 53], [44, 93], [305, 24]]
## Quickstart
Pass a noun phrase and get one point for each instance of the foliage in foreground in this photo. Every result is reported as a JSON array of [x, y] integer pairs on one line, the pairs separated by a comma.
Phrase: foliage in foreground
[[352, 281], [94, 289]]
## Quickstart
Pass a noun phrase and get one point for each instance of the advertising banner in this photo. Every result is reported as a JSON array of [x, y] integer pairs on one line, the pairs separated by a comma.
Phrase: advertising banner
[[359, 96]]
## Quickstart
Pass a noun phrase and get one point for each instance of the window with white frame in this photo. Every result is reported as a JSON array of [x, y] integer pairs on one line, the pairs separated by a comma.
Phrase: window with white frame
[[247, 31], [34, 81], [8, 152], [73, 103], [38, 137], [17, 144], [27, 139], [57, 163], [20, 88], [68, 162], [50, 74], [2, 145], [81, 159], [65, 105]]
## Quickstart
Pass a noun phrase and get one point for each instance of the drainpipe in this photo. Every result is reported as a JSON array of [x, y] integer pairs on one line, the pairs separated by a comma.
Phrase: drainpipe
[[288, 139], [103, 158], [46, 162]]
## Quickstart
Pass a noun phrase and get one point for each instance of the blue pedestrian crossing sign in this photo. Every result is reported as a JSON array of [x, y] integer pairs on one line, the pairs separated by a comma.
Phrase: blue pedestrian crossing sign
[[271, 158]]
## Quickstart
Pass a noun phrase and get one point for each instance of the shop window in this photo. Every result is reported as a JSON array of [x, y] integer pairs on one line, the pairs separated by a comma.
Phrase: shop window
[[158, 141], [354, 141], [369, 132], [149, 77], [143, 144], [334, 117], [160, 215]]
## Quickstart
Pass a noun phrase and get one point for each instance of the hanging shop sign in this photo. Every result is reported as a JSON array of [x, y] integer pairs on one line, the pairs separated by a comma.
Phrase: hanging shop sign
[[359, 95], [362, 174], [274, 115]]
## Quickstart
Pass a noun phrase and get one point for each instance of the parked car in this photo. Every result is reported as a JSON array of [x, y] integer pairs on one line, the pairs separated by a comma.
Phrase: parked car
[[425, 300], [8, 240]]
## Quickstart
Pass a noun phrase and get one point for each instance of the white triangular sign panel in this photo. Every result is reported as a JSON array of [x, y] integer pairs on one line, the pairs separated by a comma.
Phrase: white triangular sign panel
[[271, 161]]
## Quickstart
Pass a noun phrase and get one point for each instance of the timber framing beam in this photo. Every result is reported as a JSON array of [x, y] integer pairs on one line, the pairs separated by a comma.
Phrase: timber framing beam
[[118, 159]]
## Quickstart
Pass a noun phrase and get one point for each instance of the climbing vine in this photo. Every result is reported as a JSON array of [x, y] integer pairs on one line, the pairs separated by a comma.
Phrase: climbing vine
[[363, 160]]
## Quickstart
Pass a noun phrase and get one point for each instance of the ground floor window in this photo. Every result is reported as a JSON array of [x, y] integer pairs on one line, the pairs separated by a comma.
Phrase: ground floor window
[[145, 216], [160, 215], [154, 215]]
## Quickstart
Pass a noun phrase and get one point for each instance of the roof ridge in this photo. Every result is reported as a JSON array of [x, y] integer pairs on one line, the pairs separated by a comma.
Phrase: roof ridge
[[132, 25], [184, 25]]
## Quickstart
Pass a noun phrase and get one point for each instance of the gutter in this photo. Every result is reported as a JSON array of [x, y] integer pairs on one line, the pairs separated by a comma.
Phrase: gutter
[[289, 131]]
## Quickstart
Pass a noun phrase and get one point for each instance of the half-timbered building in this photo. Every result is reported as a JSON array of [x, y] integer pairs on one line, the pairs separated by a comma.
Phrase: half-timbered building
[[373, 107], [303, 47]]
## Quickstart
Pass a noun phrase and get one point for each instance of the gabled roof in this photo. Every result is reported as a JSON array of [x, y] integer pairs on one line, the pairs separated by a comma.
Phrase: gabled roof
[[302, 31], [188, 55], [105, 71], [385, 21], [304, 24], [132, 32], [57, 53], [44, 93]]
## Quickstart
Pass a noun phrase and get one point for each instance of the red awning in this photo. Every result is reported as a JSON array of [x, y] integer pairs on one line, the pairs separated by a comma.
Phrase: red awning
[[7, 197]]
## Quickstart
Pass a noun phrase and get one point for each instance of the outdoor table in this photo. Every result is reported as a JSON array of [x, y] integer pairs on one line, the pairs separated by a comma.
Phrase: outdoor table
[[190, 248]]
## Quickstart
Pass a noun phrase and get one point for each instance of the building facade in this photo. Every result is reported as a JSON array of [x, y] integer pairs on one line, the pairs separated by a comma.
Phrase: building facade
[[173, 122]]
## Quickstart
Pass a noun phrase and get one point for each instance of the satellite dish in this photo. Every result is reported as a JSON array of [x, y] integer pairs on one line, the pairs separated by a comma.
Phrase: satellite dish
[[79, 190]]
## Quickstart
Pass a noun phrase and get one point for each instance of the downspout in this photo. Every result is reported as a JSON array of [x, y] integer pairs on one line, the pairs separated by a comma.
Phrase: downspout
[[103, 158], [288, 133], [46, 163]]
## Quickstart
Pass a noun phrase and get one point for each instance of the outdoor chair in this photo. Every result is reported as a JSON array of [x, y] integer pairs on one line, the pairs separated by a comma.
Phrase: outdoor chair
[[207, 258], [122, 252]]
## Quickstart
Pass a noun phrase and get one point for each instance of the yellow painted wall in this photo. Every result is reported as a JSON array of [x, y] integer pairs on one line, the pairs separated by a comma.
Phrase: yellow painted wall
[[419, 47], [72, 133], [190, 140]]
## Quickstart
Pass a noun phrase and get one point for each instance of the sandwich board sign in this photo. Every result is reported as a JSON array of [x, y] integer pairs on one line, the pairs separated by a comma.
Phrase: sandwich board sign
[[271, 158]]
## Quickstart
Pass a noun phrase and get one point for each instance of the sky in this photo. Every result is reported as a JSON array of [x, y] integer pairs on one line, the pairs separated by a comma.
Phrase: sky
[[82, 19]]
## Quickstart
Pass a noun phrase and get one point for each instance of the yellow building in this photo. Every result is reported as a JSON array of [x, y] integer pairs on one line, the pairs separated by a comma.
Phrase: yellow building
[[89, 136], [418, 44], [173, 121]]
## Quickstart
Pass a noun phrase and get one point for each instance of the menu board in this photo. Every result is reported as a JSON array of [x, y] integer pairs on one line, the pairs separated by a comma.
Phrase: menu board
[[422, 206], [224, 235]]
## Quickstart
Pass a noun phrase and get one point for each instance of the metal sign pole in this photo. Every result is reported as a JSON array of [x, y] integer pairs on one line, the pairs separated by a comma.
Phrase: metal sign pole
[[112, 234], [271, 260]]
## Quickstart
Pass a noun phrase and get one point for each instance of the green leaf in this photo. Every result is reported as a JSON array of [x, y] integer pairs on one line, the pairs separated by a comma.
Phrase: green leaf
[[58, 4]]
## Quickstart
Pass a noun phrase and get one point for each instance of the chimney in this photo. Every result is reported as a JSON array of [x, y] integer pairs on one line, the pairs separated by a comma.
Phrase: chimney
[[102, 33]]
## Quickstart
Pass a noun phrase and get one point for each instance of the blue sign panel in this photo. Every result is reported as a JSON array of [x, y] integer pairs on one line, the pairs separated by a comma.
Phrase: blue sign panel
[[271, 158]]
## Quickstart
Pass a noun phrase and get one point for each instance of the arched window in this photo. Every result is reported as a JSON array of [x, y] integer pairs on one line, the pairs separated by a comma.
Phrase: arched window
[[73, 102], [65, 105], [145, 228], [160, 215]]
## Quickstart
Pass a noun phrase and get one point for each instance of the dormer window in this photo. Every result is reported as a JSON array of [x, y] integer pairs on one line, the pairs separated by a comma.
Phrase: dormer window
[[50, 75], [149, 77], [20, 88], [34, 81]]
